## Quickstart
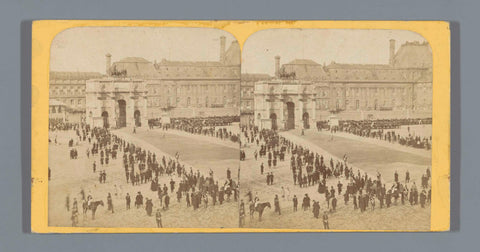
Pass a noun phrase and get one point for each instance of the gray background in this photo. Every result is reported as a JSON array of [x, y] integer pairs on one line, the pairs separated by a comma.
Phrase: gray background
[[15, 93]]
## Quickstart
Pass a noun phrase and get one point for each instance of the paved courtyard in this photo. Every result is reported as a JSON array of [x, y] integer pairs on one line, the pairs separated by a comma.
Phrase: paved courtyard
[[69, 177], [365, 156]]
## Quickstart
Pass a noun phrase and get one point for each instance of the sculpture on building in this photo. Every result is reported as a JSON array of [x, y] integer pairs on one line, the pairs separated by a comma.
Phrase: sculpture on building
[[287, 76], [117, 73]]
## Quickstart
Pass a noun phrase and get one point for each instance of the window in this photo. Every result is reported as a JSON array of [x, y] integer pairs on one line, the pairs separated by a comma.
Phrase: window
[[54, 110], [357, 104], [59, 109], [71, 102]]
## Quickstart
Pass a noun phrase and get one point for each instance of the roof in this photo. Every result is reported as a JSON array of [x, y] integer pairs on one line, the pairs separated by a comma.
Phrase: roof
[[302, 62], [357, 66], [133, 60], [232, 55], [165, 62], [414, 55], [135, 67]]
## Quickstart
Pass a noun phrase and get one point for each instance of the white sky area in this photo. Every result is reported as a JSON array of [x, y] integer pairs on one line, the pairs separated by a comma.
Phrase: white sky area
[[83, 49], [321, 46]]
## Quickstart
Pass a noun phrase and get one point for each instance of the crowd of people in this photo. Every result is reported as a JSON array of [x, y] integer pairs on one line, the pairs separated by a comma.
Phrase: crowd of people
[[383, 129], [310, 169], [142, 166], [207, 126], [55, 124]]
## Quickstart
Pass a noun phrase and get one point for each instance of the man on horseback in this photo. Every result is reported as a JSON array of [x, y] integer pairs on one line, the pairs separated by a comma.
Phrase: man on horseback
[[89, 201], [256, 200]]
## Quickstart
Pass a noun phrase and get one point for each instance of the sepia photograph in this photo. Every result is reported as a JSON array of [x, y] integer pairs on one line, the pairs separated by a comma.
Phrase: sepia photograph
[[171, 129], [144, 128], [336, 130]]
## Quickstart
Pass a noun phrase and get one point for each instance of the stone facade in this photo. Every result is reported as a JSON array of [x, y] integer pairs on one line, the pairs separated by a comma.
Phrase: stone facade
[[153, 89], [69, 88], [305, 92]]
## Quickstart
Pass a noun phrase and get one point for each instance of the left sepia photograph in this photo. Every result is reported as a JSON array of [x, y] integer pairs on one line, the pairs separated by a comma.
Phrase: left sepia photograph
[[144, 128]]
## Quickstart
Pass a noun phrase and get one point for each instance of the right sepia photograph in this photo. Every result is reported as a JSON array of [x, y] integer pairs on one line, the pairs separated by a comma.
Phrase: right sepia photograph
[[336, 130]]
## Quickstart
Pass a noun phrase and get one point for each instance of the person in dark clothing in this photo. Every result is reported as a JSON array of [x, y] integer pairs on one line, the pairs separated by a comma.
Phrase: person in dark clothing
[[277, 205], [187, 196], [149, 206], [316, 209], [167, 201], [295, 203], [127, 201], [172, 185], [109, 202], [139, 200]]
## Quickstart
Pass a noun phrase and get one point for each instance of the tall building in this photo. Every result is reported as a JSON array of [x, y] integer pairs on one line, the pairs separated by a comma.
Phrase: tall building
[[305, 92], [136, 89], [68, 89]]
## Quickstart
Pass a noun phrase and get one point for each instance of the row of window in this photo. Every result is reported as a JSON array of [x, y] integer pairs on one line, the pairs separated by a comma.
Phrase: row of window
[[188, 101], [366, 104], [67, 91], [193, 88]]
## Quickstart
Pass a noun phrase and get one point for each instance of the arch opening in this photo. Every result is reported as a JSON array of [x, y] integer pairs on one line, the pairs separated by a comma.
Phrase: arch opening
[[122, 114]]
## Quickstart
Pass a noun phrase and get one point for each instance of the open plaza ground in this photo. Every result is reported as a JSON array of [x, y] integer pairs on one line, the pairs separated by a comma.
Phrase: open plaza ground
[[365, 155], [202, 153]]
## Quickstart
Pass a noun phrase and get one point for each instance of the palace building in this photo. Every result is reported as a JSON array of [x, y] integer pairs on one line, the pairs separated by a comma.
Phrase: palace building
[[304, 92], [135, 89]]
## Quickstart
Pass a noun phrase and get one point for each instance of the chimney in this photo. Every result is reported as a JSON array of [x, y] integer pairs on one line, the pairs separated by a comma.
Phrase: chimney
[[222, 49], [108, 59], [277, 66], [392, 51]]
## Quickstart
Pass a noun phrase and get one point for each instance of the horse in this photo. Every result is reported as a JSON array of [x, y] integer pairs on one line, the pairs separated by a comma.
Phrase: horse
[[93, 207], [259, 208]]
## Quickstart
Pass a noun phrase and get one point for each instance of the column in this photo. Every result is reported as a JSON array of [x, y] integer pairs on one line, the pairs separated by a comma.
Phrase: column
[[144, 112]]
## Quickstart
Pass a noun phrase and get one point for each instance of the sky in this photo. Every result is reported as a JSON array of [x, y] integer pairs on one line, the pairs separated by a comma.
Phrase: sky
[[83, 49], [321, 46]]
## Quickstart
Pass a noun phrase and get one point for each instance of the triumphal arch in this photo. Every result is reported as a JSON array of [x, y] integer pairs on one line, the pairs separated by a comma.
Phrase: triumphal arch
[[284, 104], [116, 102]]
